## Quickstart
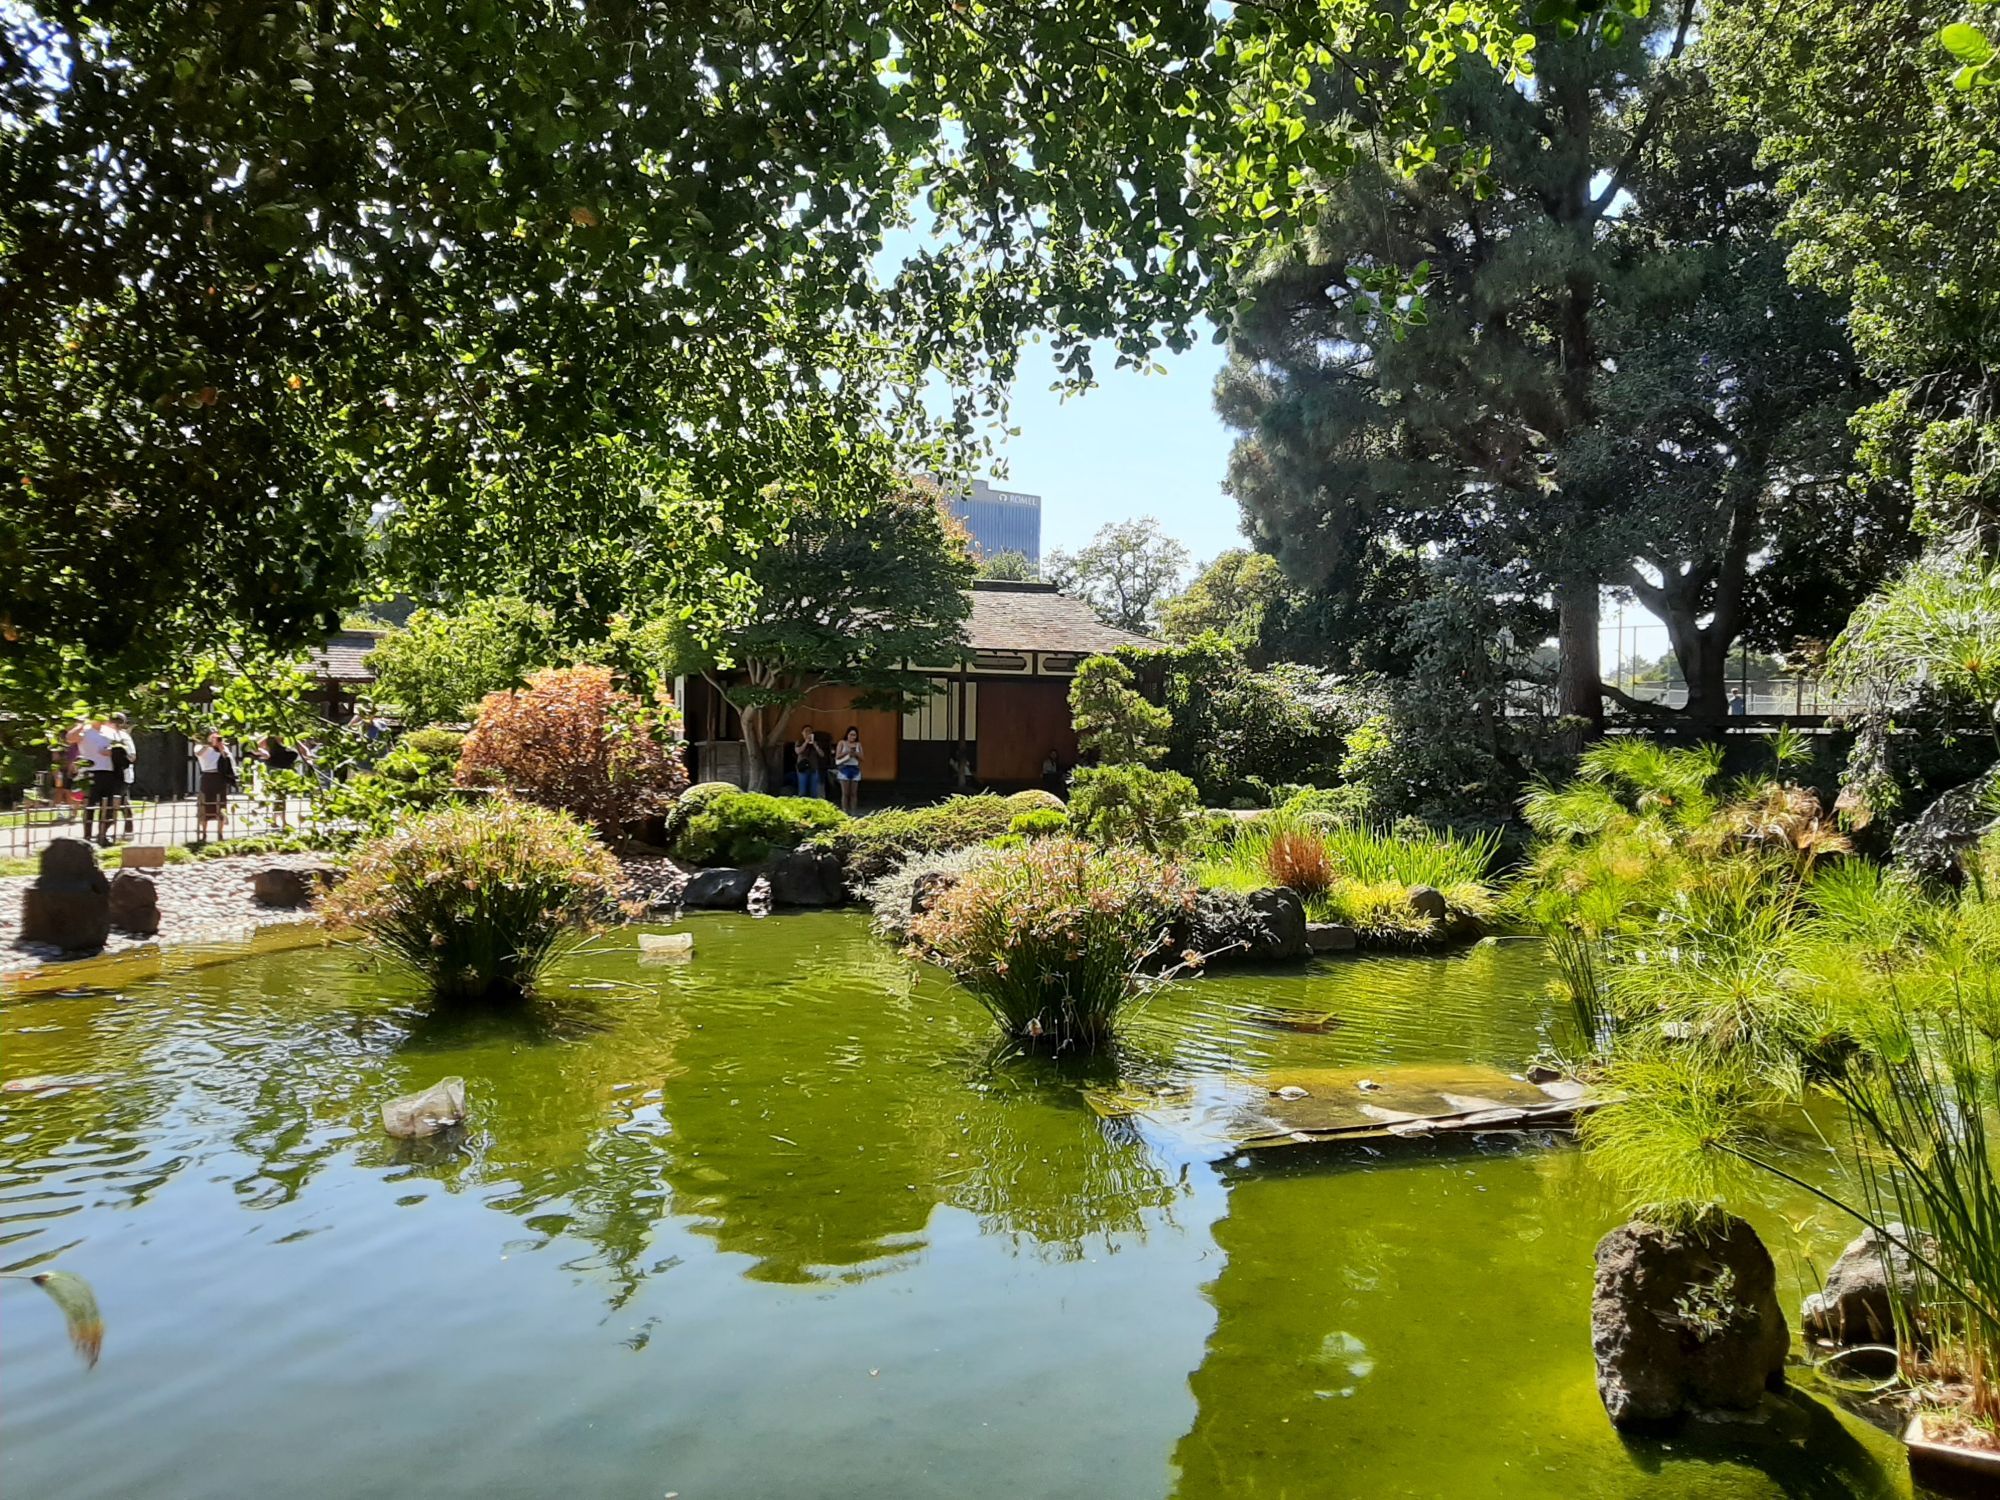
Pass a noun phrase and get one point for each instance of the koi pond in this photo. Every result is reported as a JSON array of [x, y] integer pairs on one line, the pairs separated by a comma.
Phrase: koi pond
[[777, 1220]]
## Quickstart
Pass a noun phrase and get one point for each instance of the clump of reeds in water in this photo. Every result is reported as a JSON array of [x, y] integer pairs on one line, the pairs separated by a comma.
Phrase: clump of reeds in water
[[1054, 938], [477, 900]]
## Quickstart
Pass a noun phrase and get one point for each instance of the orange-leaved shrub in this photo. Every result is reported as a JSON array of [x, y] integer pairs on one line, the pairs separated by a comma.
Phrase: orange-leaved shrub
[[574, 740], [1053, 937], [1300, 862]]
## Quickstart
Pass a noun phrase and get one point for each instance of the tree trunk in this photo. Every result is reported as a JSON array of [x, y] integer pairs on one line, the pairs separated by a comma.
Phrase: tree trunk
[[1704, 662], [1579, 671], [763, 728]]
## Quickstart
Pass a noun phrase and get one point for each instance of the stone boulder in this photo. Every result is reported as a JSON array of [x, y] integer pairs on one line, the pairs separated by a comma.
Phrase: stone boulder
[[1267, 926], [1932, 845], [1856, 1306], [718, 889], [69, 905], [1684, 1323], [1331, 937], [1428, 901], [806, 877], [134, 904], [285, 886]]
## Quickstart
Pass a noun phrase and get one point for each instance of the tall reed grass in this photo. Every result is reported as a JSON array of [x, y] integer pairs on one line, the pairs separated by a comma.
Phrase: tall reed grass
[[1054, 937], [477, 901]]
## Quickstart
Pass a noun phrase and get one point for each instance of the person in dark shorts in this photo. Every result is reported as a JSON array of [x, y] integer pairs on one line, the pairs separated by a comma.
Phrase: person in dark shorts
[[217, 775], [92, 741]]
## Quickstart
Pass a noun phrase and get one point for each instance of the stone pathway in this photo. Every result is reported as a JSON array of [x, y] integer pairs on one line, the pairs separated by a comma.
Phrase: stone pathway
[[209, 901]]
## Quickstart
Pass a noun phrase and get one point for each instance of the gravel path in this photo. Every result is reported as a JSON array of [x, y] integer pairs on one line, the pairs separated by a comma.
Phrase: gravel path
[[209, 901]]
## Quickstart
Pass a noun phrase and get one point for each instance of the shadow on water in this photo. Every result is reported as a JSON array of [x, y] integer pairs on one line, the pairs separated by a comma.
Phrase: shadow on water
[[1795, 1441]]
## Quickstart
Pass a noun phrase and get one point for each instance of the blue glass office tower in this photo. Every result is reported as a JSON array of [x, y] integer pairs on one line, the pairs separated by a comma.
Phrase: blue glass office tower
[[1001, 521]]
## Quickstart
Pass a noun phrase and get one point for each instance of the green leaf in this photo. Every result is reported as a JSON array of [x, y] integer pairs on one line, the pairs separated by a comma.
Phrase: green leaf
[[1966, 43]]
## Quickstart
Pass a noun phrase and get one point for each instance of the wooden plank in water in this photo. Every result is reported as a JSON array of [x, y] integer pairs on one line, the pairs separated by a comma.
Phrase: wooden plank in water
[[1302, 1105]]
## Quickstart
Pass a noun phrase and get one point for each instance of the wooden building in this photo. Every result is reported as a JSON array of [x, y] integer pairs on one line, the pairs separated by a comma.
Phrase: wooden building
[[1001, 707]]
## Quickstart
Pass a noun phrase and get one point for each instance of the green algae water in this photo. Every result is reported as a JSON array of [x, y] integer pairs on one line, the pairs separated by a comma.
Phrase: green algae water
[[779, 1221]]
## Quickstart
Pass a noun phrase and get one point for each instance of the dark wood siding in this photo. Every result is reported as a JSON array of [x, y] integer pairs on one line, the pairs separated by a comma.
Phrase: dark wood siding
[[1019, 723]]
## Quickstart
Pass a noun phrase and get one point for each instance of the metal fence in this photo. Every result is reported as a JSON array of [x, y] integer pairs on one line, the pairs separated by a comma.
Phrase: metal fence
[[1769, 695], [50, 811]]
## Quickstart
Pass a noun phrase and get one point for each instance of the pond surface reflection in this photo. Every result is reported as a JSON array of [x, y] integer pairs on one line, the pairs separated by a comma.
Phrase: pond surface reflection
[[779, 1220]]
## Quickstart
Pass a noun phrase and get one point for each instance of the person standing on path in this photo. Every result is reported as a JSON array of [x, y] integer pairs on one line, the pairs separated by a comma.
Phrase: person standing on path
[[847, 766], [218, 774], [92, 742], [811, 763]]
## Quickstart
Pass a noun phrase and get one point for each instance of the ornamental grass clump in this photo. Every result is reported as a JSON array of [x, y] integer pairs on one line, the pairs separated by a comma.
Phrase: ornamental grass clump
[[1299, 861], [477, 901], [1054, 937]]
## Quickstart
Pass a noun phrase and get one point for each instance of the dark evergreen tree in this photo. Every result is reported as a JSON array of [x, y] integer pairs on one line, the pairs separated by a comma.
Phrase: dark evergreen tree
[[1609, 380]]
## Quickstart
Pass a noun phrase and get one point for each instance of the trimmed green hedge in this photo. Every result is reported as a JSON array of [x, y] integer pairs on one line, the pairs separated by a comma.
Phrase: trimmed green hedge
[[738, 828], [873, 846]]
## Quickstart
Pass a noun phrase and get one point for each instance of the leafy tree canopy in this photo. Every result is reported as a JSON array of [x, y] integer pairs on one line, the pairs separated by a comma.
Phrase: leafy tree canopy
[[1883, 130], [1230, 597], [441, 664], [1125, 572], [1611, 381], [513, 277], [840, 599], [1008, 565]]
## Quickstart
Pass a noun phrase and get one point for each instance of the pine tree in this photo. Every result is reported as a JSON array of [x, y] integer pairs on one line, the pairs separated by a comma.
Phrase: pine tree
[[1607, 381]]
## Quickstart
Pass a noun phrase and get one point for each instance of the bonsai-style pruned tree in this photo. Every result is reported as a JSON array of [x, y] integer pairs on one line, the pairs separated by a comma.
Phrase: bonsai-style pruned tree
[[848, 599], [1113, 722]]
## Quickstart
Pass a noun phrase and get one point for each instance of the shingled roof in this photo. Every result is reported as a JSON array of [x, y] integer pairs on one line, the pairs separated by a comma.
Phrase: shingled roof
[[339, 660], [1010, 616]]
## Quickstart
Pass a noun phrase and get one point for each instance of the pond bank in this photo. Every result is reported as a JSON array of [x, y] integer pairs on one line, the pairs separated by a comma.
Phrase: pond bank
[[210, 901]]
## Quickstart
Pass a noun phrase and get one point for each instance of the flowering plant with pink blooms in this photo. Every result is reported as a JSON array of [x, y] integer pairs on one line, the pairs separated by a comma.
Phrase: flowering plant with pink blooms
[[1054, 937]]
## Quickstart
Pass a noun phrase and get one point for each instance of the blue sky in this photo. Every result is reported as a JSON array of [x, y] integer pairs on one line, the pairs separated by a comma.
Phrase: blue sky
[[1152, 445], [1134, 445]]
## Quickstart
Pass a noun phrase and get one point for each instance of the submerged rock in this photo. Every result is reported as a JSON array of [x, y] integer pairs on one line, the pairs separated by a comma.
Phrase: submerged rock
[[1264, 926], [437, 1108], [1684, 1323], [1856, 1306]]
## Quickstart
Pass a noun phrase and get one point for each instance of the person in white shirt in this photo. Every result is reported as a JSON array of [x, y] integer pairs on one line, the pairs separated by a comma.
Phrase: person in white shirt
[[92, 740], [218, 774]]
